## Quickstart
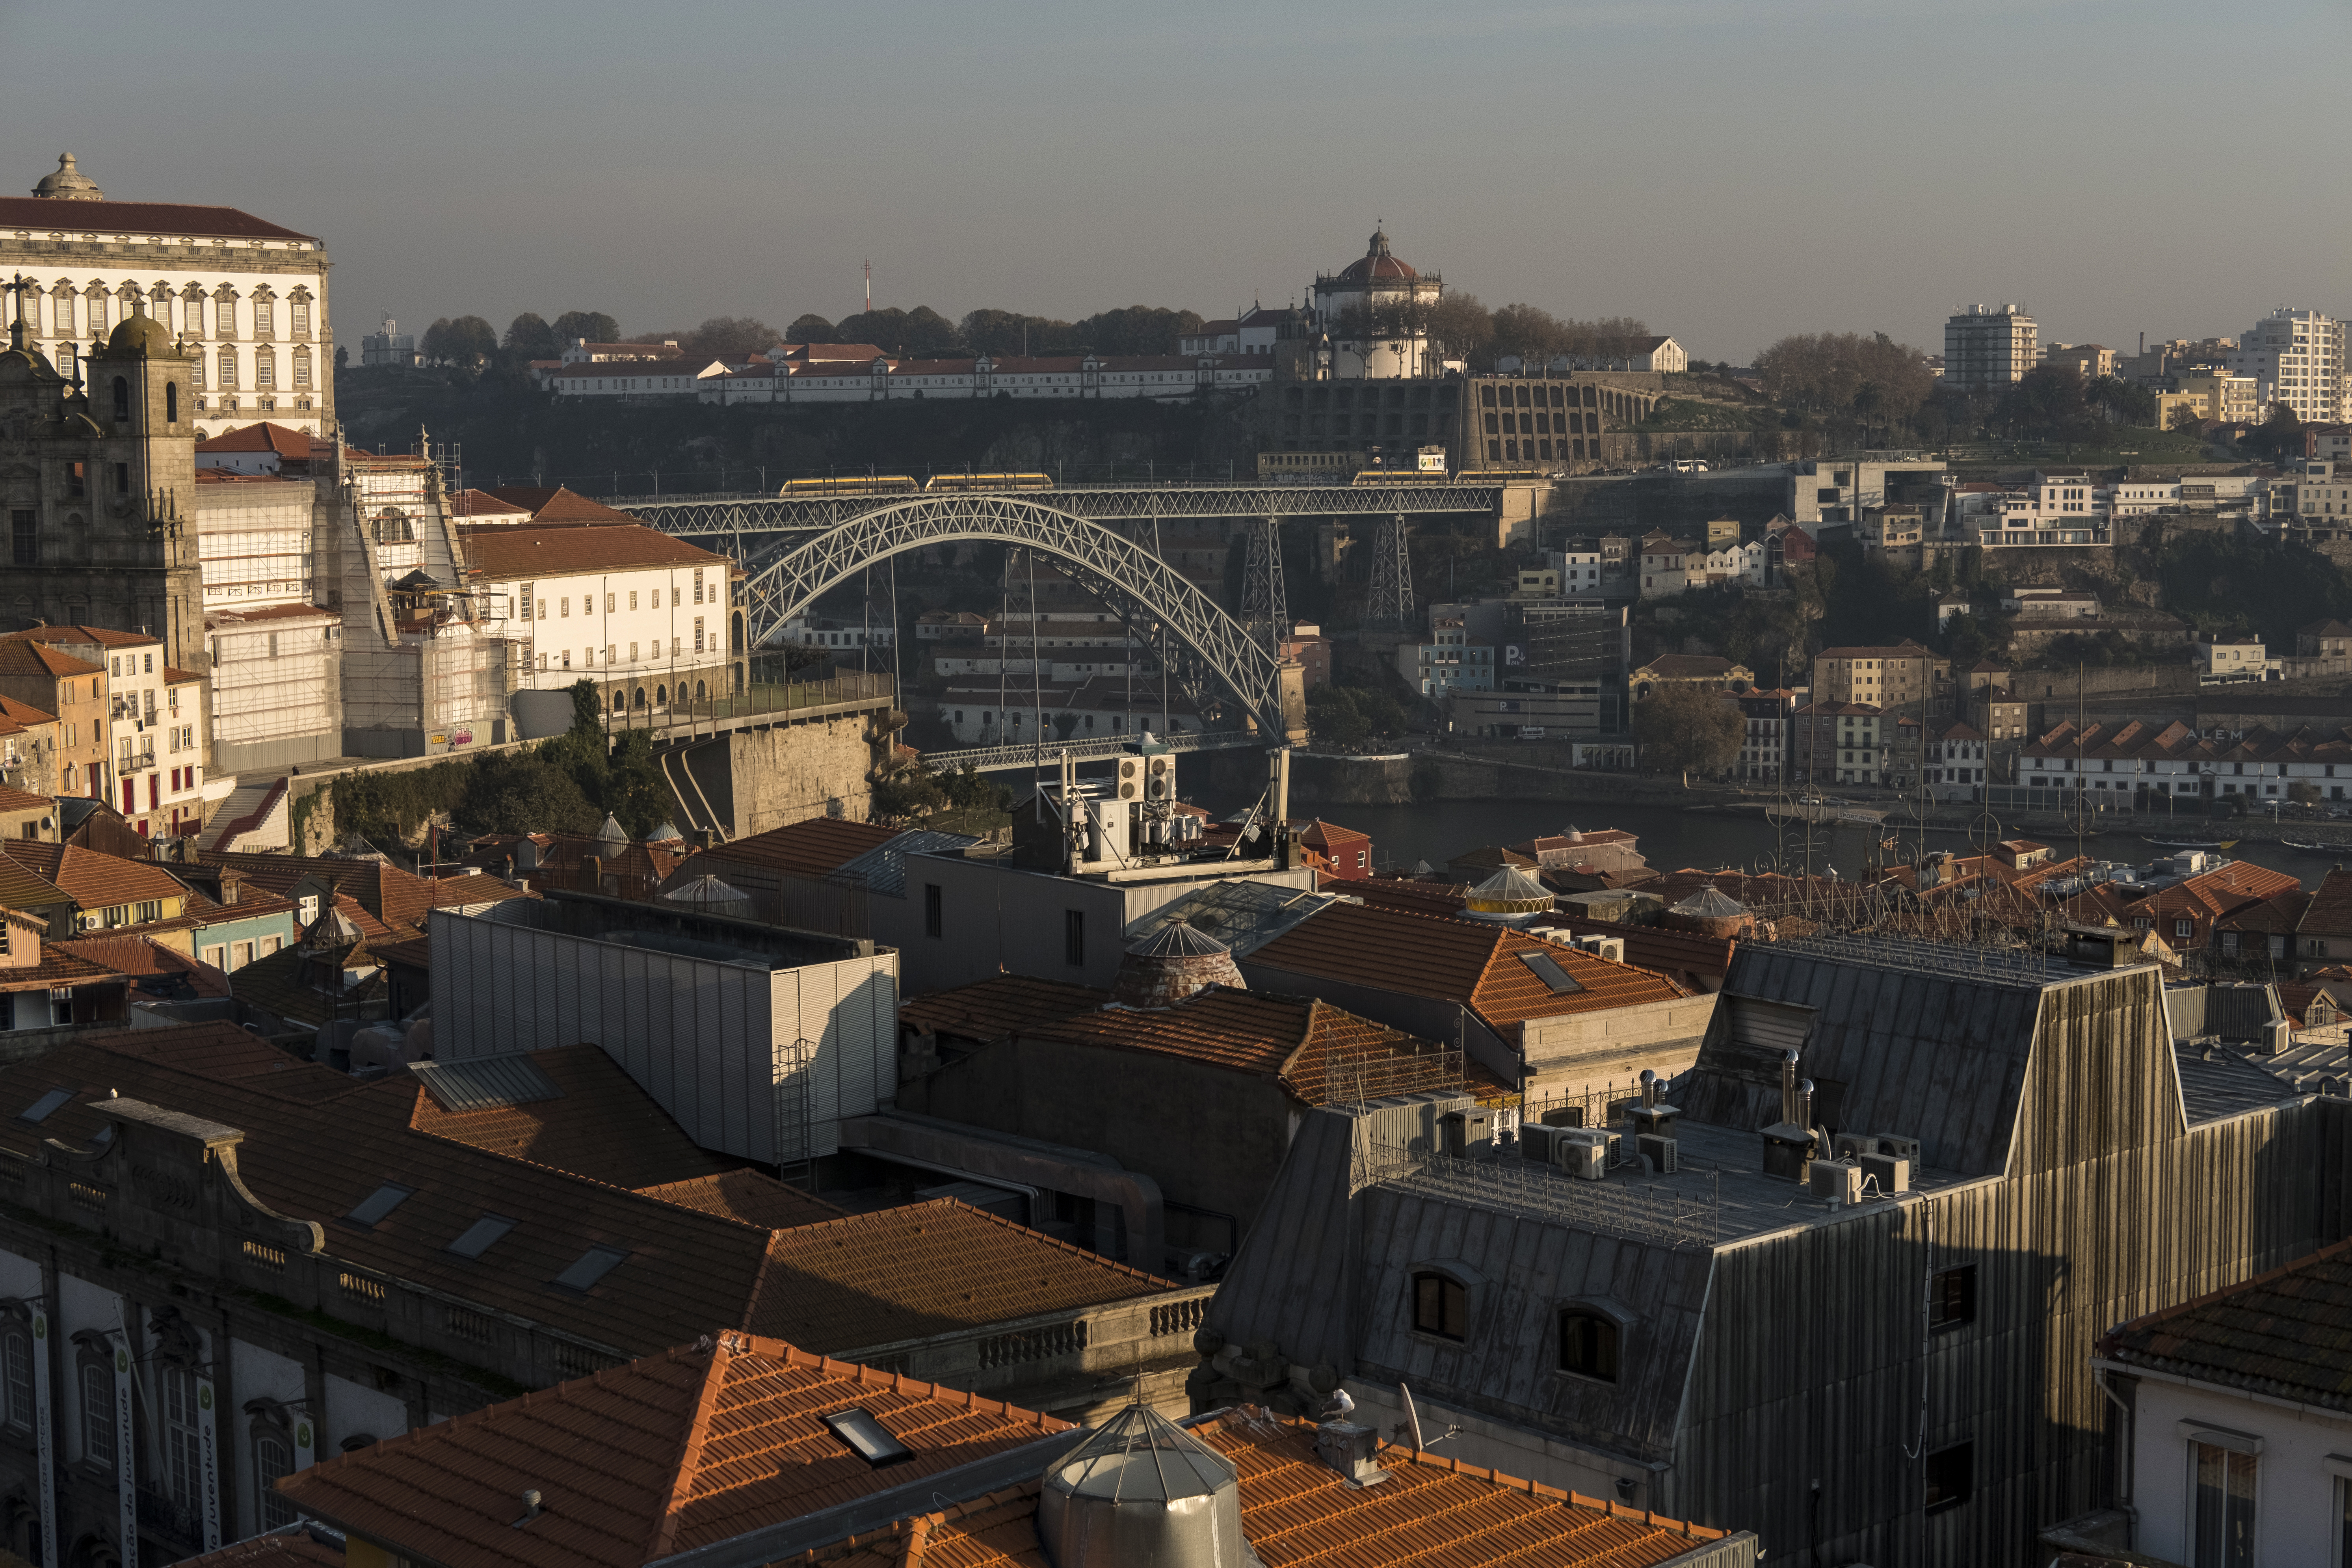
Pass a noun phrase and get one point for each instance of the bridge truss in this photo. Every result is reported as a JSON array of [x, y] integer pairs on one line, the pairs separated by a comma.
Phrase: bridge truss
[[1147, 588], [698, 516]]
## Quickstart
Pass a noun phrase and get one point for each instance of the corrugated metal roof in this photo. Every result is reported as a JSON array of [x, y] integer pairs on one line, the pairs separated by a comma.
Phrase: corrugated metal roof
[[882, 870], [486, 1083]]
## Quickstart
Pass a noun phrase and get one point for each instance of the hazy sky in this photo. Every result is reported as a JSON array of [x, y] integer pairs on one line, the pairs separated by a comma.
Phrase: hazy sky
[[1728, 170]]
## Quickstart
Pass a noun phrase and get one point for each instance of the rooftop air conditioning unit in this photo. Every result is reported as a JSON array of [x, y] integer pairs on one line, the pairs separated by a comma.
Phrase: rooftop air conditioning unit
[[1611, 948], [1535, 1141], [1130, 778], [1662, 1154], [1839, 1181], [1584, 1152], [1893, 1145]]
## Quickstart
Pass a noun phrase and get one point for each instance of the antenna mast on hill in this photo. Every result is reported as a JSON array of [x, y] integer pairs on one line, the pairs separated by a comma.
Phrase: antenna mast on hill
[[870, 288]]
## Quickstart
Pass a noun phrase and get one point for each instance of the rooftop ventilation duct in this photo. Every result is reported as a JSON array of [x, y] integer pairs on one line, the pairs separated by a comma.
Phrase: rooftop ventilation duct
[[1142, 1493]]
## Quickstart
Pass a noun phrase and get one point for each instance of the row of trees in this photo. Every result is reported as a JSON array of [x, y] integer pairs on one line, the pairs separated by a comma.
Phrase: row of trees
[[1465, 328]]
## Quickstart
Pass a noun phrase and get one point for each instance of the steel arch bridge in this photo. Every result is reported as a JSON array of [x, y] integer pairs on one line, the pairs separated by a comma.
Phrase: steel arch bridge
[[1105, 562]]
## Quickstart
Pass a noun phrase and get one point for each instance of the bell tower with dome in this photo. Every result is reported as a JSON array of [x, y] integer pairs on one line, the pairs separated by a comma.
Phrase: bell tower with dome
[[100, 484]]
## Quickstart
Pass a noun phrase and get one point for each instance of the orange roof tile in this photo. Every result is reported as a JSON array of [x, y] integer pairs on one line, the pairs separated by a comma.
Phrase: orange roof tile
[[1298, 1040], [752, 1196], [19, 657], [1298, 1513], [807, 849], [525, 551], [300, 1547], [93, 879], [668, 1453], [850, 1284], [143, 958], [991, 1008], [1466, 962], [24, 800], [600, 1125], [261, 437]]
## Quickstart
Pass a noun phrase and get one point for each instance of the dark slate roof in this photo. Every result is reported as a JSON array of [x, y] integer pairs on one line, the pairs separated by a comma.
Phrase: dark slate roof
[[1291, 1279], [2287, 1333], [1935, 1053], [882, 868], [2229, 1085]]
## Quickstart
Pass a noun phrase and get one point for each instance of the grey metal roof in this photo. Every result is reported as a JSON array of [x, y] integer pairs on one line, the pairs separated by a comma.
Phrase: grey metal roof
[[1895, 1046], [882, 868], [486, 1083], [1244, 916], [2228, 1085], [1177, 937]]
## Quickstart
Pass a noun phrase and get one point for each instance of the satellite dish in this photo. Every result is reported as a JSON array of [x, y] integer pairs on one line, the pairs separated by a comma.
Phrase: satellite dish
[[1412, 1417]]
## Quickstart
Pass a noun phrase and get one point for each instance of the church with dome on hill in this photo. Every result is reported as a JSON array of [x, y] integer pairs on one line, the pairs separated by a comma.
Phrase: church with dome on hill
[[1369, 312]]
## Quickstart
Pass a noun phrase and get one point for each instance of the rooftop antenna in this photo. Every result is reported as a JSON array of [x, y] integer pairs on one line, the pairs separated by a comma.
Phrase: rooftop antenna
[[870, 288]]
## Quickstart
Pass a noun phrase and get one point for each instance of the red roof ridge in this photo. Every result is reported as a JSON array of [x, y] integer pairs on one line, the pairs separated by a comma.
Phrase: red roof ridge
[[689, 1450]]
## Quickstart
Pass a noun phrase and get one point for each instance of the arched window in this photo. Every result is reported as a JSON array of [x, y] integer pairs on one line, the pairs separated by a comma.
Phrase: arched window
[[97, 1414], [1441, 1306], [638, 698], [228, 370], [620, 701], [17, 1372], [171, 403], [701, 692], [661, 695], [273, 1456], [121, 401], [1588, 1343]]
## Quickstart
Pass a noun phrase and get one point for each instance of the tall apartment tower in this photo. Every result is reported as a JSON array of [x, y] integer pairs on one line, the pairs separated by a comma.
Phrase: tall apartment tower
[[2297, 357], [1989, 346]]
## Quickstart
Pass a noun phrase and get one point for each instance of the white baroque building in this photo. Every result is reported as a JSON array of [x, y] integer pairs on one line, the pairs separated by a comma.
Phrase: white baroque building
[[884, 379], [247, 297]]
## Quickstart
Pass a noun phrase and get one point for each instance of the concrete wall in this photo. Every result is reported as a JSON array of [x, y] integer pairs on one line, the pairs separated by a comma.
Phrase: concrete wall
[[732, 1050], [995, 918], [792, 771], [1570, 1054], [1212, 1138]]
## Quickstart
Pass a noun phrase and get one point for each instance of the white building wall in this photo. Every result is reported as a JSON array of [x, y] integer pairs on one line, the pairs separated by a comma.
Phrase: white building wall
[[2300, 1474], [632, 624]]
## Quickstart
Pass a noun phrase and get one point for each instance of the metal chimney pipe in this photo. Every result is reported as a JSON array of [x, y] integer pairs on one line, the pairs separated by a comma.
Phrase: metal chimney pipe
[[1649, 1089], [1789, 1089], [1805, 1104]]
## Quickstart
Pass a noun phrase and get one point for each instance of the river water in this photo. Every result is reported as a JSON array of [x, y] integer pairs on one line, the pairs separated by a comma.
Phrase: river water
[[1672, 839]]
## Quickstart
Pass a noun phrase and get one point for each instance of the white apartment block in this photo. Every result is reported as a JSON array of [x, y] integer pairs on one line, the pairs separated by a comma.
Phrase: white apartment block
[[2054, 509], [645, 617], [1578, 569], [247, 297], [1989, 346], [2297, 357], [1059, 376]]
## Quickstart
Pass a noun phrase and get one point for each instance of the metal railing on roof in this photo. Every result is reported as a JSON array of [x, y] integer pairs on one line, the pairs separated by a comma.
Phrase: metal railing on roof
[[1686, 1213], [1973, 961]]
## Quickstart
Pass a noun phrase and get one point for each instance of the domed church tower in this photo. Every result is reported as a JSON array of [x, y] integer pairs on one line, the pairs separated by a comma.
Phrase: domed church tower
[[100, 489]]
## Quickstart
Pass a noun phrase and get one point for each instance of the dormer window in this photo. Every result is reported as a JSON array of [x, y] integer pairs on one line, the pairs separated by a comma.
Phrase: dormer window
[[1588, 1342], [1441, 1306]]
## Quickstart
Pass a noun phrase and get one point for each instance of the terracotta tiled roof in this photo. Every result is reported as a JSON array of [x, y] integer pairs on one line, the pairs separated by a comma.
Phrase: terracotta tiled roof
[[600, 1124], [19, 657], [1688, 666], [300, 1547], [24, 715], [23, 800], [57, 968], [92, 879], [667, 1453], [1459, 961], [1298, 1513], [747, 1196], [44, 216], [317, 1143], [808, 849], [557, 505], [102, 637], [991, 1008], [1298, 1041], [150, 965], [286, 984], [469, 503], [2286, 1334], [398, 900], [524, 552], [2330, 910], [262, 437]]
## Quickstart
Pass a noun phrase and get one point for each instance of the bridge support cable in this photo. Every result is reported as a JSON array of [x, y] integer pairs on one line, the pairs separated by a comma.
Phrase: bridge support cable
[[1104, 562]]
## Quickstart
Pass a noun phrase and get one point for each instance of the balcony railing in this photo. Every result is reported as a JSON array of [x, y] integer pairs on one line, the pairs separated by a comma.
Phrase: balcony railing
[[169, 1518]]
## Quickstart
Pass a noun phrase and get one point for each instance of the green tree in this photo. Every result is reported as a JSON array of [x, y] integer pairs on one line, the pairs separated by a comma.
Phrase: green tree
[[810, 327], [2186, 418], [1682, 727], [595, 326], [512, 791], [2279, 437], [1461, 328], [922, 332], [733, 339], [529, 338], [468, 340], [1005, 333], [2125, 402], [2046, 404], [1137, 329]]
